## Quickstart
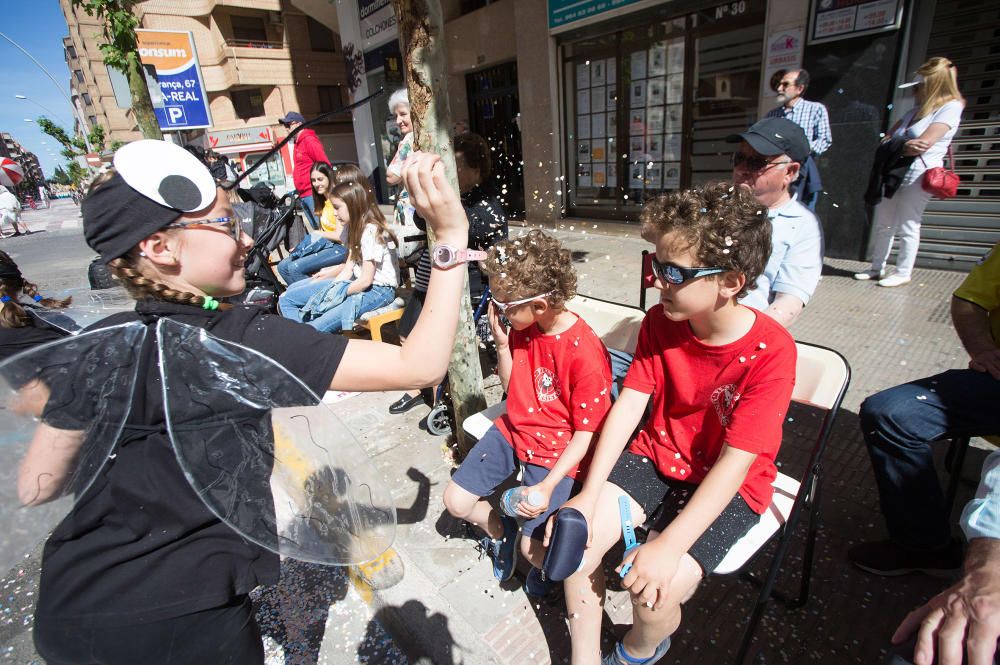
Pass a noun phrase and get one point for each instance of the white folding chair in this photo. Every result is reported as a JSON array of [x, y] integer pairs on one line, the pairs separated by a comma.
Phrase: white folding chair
[[821, 379]]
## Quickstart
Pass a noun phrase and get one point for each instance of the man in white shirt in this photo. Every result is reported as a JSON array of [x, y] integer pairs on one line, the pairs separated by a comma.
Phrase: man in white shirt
[[814, 120], [767, 161]]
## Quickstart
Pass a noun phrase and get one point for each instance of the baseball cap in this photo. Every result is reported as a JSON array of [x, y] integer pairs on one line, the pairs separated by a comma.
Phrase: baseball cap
[[291, 117], [775, 136], [917, 80]]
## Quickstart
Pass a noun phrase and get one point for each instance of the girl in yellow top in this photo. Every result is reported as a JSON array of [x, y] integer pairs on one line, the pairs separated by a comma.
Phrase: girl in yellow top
[[323, 248]]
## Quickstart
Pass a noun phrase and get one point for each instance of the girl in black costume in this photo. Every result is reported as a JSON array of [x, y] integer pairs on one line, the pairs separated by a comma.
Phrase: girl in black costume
[[141, 571]]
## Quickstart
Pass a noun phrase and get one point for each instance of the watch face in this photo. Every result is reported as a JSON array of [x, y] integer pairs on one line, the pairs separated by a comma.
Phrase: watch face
[[444, 256]]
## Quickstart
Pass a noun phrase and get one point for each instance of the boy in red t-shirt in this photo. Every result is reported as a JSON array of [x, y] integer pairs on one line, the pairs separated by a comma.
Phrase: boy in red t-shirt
[[557, 376], [720, 376]]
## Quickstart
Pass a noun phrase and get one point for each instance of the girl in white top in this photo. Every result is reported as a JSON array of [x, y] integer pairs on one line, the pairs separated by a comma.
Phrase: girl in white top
[[930, 127], [368, 278]]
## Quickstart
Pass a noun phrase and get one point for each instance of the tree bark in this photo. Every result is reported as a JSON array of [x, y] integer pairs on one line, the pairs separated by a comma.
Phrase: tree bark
[[142, 105], [421, 33]]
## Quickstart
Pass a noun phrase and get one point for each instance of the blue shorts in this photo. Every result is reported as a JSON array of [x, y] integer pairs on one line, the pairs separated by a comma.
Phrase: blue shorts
[[492, 461]]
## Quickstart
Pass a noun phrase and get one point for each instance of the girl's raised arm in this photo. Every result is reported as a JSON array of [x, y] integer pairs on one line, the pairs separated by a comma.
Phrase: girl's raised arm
[[423, 360]]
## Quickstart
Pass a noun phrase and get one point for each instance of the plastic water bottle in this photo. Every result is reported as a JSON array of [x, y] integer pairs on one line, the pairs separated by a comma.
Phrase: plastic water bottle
[[513, 496]]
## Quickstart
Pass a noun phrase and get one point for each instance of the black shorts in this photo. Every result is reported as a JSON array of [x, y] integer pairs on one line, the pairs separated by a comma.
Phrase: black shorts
[[663, 498], [412, 312]]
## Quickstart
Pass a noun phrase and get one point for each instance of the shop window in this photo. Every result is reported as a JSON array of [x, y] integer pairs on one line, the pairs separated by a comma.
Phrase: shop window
[[249, 29], [331, 98], [271, 172], [248, 103], [320, 36], [646, 105]]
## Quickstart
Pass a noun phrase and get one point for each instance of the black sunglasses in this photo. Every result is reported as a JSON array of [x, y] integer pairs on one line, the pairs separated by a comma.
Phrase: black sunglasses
[[754, 163], [671, 274]]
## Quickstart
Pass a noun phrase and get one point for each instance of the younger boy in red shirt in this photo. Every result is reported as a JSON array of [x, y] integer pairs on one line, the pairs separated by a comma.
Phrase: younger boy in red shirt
[[720, 376], [556, 372]]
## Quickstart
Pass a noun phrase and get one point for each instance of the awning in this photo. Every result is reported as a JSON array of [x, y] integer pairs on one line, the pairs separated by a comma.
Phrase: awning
[[249, 147]]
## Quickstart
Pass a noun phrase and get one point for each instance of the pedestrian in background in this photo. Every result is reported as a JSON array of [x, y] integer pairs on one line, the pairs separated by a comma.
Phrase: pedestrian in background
[[814, 120], [928, 129], [308, 151], [10, 211]]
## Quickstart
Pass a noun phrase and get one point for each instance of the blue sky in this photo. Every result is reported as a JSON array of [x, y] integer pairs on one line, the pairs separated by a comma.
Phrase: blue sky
[[38, 26]]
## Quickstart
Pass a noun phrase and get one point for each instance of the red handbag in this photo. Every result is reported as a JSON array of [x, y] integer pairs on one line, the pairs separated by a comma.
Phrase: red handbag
[[940, 181]]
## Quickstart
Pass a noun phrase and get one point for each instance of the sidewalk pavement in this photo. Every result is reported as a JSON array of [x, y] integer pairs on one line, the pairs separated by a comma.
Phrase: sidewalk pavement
[[448, 608]]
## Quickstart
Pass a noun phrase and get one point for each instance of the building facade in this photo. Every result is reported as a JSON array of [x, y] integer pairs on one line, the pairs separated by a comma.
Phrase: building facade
[[592, 106], [259, 59], [28, 161]]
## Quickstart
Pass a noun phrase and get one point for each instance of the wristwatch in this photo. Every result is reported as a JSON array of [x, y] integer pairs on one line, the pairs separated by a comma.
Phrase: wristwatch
[[445, 256]]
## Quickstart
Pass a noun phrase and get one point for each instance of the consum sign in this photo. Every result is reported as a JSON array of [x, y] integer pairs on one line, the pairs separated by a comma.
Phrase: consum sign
[[176, 88]]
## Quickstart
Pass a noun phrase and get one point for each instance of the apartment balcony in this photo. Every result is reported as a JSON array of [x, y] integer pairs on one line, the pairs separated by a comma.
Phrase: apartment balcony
[[201, 7]]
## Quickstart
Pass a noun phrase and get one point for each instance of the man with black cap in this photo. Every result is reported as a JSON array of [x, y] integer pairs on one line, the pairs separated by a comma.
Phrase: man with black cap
[[767, 162], [308, 151]]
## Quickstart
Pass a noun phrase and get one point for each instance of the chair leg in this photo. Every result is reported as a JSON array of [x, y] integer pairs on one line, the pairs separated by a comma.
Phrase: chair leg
[[807, 556]]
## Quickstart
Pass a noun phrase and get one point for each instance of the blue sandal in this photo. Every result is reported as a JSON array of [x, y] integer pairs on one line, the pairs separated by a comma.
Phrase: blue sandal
[[620, 657]]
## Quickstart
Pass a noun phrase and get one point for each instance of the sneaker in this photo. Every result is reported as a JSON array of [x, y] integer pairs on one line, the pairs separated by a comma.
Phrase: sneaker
[[536, 586], [869, 274], [894, 279], [888, 559], [620, 657], [502, 552]]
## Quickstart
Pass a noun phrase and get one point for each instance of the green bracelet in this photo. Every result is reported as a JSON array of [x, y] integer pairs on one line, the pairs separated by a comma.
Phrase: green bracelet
[[210, 303]]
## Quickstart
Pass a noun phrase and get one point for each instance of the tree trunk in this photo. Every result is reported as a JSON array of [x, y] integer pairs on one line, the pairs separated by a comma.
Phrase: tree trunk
[[142, 105], [421, 31]]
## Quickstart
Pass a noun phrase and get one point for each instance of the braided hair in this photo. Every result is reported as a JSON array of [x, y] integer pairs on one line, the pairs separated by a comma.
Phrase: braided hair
[[139, 286], [12, 285]]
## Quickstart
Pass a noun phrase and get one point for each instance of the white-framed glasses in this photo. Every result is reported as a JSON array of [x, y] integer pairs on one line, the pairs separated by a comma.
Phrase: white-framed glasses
[[504, 306], [232, 222]]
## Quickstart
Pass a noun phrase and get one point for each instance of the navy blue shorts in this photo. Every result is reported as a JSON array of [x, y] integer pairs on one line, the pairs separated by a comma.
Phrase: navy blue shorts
[[492, 461]]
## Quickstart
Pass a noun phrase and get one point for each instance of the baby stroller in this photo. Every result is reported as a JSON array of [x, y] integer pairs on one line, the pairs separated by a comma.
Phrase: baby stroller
[[441, 419], [273, 224]]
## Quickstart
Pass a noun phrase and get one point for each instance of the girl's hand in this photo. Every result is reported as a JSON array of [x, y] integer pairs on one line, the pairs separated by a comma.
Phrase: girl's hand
[[498, 329], [327, 273], [434, 199]]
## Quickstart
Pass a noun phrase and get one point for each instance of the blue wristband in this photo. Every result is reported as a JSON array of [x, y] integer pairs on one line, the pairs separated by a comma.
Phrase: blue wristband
[[628, 530]]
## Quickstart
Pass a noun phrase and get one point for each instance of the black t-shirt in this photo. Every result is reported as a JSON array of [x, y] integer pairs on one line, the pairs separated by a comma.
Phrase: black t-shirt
[[16, 340], [140, 545]]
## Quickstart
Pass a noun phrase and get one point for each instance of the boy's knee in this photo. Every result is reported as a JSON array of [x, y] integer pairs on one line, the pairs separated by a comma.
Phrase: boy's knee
[[455, 501]]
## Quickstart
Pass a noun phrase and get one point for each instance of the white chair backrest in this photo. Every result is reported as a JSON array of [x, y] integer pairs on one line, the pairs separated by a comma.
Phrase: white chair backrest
[[820, 375], [616, 325]]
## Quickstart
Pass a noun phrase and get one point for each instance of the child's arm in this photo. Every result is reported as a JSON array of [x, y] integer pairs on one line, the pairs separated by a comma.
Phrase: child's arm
[[364, 282], [48, 463], [505, 361], [655, 563], [570, 457], [328, 272], [618, 427], [423, 360], [346, 271]]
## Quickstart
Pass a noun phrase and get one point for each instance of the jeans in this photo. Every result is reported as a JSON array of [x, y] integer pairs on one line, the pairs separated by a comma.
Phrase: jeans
[[899, 425], [336, 319], [307, 207], [296, 269], [899, 216]]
